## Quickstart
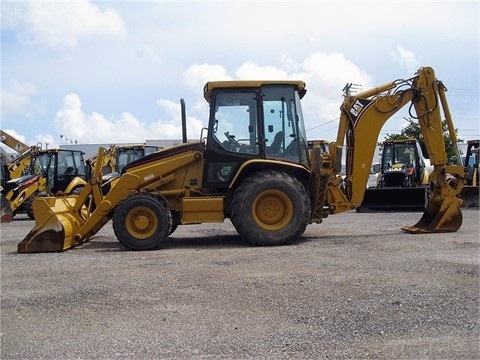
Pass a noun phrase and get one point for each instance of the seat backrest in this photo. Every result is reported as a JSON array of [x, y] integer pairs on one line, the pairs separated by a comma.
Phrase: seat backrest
[[277, 142]]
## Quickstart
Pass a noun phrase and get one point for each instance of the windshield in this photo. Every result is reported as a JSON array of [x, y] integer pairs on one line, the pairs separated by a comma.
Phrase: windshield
[[78, 164], [394, 154], [126, 156], [43, 163], [284, 128], [236, 123]]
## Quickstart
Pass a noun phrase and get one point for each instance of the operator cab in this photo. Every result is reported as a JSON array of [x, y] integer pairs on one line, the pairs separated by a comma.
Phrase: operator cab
[[60, 167], [126, 155], [253, 120]]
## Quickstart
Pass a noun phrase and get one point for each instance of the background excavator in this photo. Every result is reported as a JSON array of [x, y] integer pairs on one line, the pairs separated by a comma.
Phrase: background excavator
[[403, 179], [255, 166]]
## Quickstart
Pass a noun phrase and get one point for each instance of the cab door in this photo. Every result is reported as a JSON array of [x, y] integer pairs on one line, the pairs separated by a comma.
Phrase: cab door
[[235, 135]]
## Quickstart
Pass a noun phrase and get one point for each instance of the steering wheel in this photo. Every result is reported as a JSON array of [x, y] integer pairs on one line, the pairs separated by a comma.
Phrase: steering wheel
[[231, 141]]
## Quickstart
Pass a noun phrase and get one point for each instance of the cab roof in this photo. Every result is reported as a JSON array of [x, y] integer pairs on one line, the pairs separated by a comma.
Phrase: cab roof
[[212, 85]]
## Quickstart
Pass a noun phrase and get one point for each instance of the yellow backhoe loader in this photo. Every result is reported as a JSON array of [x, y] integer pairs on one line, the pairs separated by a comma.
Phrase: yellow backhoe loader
[[50, 172], [19, 164], [403, 180], [5, 159], [13, 167], [470, 192], [116, 157], [254, 165]]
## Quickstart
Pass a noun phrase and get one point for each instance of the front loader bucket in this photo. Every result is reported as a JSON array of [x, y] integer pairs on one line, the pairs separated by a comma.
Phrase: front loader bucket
[[6, 214], [442, 214], [55, 226], [394, 199], [469, 195]]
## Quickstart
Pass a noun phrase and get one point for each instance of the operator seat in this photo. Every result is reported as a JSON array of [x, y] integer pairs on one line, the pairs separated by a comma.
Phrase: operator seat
[[277, 142]]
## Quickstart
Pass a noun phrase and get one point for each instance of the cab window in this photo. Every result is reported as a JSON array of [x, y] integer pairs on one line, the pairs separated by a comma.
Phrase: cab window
[[236, 123]]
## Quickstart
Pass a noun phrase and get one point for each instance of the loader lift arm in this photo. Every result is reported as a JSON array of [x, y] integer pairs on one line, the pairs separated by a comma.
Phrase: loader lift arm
[[83, 216], [363, 116]]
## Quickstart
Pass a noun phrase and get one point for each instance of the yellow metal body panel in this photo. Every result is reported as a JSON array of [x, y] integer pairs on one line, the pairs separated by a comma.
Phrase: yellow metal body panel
[[198, 210], [212, 85]]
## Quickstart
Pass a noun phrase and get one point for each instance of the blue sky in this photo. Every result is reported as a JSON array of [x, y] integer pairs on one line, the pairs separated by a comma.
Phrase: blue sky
[[114, 71]]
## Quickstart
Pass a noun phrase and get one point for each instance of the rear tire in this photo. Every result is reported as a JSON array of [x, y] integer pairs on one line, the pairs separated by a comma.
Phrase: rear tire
[[142, 222], [270, 208]]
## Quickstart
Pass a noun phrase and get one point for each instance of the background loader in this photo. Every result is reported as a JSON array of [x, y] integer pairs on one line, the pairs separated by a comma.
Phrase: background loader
[[254, 165], [402, 183]]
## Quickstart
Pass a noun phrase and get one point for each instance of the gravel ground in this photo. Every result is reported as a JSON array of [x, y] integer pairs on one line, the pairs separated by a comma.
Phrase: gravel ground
[[355, 287]]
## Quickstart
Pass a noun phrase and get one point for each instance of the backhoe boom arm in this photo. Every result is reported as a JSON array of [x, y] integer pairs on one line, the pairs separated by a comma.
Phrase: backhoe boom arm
[[362, 118]]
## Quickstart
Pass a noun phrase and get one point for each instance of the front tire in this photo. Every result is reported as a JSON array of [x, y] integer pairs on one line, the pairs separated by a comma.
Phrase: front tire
[[142, 222], [29, 207], [270, 208], [77, 190]]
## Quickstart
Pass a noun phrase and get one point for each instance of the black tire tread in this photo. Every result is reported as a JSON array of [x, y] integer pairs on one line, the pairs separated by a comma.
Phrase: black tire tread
[[249, 230], [119, 218]]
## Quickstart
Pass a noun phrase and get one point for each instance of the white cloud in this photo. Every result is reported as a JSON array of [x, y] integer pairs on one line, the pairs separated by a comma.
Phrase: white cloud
[[334, 70], [171, 126], [406, 58], [47, 141], [20, 99], [74, 125], [325, 75], [250, 71], [198, 74], [148, 52], [60, 24]]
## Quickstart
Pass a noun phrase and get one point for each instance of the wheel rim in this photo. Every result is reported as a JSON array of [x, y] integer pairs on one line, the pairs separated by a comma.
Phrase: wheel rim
[[272, 210], [141, 223]]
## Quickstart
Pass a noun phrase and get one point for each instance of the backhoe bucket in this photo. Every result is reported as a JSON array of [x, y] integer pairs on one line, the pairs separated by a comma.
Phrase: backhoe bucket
[[55, 226], [443, 213], [6, 212], [394, 199]]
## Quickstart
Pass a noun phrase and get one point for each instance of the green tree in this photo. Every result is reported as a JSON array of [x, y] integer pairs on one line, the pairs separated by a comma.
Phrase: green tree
[[412, 130]]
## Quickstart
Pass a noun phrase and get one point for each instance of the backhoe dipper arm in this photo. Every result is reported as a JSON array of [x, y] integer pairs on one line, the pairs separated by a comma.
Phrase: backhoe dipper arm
[[363, 116], [13, 143]]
